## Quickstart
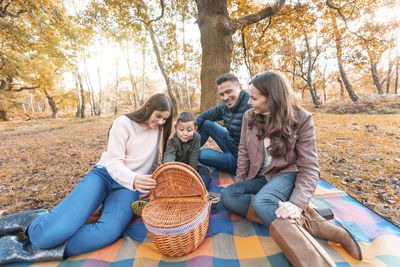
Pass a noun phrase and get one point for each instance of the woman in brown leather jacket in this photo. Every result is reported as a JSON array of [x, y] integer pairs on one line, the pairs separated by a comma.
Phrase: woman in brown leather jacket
[[278, 169]]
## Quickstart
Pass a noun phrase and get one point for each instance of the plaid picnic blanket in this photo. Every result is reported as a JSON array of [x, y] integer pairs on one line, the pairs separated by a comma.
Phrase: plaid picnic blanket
[[234, 241]]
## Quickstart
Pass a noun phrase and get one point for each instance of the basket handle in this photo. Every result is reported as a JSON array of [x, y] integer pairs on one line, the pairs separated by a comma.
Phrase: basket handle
[[181, 166]]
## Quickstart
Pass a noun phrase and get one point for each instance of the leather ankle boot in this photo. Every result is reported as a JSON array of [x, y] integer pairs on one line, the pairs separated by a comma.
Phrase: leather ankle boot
[[251, 213], [13, 249], [317, 226], [18, 221]]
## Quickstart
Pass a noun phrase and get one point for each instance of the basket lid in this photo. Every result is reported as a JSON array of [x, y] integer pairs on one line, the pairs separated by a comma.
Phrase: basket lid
[[177, 180]]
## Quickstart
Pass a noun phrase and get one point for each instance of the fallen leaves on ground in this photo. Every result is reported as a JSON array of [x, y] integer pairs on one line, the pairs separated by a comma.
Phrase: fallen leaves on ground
[[41, 161], [360, 154]]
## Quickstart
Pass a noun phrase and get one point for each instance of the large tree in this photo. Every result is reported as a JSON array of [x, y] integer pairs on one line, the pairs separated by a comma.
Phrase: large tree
[[217, 29]]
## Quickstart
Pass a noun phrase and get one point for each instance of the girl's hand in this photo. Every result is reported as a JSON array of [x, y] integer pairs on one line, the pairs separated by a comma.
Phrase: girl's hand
[[288, 210], [143, 183]]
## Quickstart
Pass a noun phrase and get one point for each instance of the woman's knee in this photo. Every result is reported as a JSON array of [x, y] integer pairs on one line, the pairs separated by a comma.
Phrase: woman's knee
[[43, 238], [226, 197], [265, 208], [230, 193]]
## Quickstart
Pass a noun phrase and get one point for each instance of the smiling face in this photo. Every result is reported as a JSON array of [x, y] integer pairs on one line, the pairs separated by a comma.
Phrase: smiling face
[[229, 93], [157, 118], [258, 101], [185, 130]]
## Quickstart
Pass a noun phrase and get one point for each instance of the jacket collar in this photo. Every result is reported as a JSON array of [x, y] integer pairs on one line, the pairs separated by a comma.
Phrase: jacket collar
[[175, 136], [239, 102]]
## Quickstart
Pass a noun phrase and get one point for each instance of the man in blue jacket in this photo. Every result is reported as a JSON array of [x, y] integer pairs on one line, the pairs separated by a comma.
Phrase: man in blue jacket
[[235, 103]]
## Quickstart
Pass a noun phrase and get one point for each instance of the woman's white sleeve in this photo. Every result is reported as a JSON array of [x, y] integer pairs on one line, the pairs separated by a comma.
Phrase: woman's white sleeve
[[116, 149]]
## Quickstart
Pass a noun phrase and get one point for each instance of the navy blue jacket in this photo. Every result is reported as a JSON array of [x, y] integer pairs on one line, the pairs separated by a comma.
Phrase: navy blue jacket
[[232, 118]]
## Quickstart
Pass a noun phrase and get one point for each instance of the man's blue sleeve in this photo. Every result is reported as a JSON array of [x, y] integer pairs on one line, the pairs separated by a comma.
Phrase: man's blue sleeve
[[213, 114]]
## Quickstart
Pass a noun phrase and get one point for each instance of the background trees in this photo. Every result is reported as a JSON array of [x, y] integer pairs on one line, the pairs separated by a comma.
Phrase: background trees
[[104, 56]]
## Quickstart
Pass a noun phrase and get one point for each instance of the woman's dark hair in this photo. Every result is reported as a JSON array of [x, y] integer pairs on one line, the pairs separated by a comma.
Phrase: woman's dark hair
[[159, 102], [280, 119]]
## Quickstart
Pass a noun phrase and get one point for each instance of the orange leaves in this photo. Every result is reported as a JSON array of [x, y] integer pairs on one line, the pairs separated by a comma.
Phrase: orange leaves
[[357, 155], [42, 160]]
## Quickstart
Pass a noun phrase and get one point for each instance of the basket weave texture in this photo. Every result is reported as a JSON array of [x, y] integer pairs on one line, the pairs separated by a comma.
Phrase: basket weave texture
[[177, 215]]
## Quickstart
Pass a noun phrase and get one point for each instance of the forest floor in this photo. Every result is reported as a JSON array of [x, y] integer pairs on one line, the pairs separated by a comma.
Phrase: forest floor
[[41, 160]]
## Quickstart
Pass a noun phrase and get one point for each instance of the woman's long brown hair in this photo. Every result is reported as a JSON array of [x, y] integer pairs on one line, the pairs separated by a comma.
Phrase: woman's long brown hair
[[282, 109], [159, 102]]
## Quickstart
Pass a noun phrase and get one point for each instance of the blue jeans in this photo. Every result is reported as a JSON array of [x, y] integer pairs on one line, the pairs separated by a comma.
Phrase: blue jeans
[[66, 221], [236, 198], [224, 161]]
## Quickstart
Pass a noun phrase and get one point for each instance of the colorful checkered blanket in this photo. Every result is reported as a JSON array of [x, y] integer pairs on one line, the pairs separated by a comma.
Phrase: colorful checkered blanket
[[234, 241]]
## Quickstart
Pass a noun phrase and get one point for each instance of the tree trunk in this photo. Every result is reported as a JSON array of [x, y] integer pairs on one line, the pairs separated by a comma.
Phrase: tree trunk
[[338, 42], [161, 66], [180, 95], [324, 84], [389, 77], [80, 113], [189, 104], [341, 86], [216, 31], [79, 100], [375, 77], [116, 88], [3, 115], [31, 102], [309, 74], [294, 76], [396, 82], [132, 79], [98, 112], [52, 104], [389, 72], [90, 88], [141, 98]]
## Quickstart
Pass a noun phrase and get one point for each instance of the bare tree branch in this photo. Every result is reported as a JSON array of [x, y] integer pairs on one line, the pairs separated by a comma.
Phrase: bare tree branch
[[24, 88], [264, 30], [162, 12], [338, 9], [255, 17], [245, 53]]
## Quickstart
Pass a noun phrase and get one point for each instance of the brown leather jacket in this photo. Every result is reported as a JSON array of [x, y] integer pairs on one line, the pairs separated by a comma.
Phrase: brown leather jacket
[[303, 158]]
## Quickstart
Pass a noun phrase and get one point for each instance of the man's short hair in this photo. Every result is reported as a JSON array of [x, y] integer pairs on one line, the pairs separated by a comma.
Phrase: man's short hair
[[227, 77], [186, 116]]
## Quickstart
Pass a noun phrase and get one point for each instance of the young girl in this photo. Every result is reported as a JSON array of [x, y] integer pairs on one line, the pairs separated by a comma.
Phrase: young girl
[[278, 169], [122, 172]]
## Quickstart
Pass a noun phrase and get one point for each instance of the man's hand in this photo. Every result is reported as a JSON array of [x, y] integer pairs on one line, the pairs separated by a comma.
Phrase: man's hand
[[143, 183], [288, 210]]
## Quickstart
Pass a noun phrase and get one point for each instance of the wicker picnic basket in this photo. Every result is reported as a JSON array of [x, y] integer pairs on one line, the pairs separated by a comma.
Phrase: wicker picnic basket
[[177, 215]]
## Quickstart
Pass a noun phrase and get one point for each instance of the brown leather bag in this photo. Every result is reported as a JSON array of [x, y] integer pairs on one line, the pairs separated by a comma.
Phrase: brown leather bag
[[299, 247]]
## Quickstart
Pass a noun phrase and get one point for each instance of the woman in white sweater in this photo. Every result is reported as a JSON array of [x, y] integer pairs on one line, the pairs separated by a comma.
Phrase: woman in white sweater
[[123, 171]]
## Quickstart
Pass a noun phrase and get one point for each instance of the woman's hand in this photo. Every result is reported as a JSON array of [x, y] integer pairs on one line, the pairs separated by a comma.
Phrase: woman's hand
[[288, 210], [143, 183]]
